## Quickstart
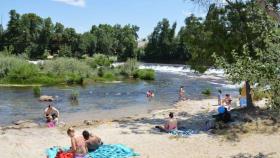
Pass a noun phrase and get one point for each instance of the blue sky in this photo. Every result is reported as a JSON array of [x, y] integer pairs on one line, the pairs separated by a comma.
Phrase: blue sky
[[82, 14]]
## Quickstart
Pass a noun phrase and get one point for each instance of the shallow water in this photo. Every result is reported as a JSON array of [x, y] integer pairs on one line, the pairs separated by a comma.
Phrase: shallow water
[[113, 100]]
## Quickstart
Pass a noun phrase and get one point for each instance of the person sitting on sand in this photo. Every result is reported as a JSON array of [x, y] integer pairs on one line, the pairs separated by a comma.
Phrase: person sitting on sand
[[170, 124], [227, 101], [51, 114], [223, 115], [92, 142], [182, 93], [78, 145]]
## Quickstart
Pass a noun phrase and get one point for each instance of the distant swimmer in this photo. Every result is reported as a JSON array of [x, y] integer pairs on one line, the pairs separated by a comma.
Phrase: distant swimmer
[[182, 93], [150, 94]]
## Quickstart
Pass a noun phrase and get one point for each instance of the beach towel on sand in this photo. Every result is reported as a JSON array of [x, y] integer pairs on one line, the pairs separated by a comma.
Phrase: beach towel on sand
[[183, 133], [104, 151]]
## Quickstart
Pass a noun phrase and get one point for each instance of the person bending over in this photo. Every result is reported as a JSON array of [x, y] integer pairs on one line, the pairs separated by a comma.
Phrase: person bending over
[[92, 142], [51, 114], [170, 124]]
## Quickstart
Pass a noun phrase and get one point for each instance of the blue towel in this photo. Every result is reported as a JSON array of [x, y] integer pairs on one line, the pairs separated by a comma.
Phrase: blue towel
[[112, 151], [104, 151], [183, 133]]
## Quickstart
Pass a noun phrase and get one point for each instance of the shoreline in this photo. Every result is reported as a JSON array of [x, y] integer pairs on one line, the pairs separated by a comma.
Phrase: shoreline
[[139, 134]]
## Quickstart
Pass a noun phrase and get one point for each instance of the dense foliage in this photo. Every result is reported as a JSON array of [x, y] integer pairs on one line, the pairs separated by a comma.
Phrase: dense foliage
[[17, 70], [164, 46], [37, 38]]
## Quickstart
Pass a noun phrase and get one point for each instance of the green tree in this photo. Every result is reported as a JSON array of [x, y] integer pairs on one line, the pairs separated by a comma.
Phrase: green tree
[[162, 43]]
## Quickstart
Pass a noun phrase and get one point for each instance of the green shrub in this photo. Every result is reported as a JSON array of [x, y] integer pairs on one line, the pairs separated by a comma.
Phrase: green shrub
[[129, 67], [145, 74], [74, 95], [37, 91], [259, 94], [99, 60], [23, 73], [206, 92], [109, 76], [70, 69]]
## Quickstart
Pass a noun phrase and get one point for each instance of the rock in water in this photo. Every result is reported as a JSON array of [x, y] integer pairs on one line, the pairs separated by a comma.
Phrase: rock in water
[[46, 98]]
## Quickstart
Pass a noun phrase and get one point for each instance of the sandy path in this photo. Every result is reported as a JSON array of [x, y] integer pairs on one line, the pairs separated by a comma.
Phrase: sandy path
[[139, 135]]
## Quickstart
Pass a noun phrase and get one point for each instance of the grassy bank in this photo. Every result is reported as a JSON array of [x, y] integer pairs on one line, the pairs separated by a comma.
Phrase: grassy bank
[[17, 71]]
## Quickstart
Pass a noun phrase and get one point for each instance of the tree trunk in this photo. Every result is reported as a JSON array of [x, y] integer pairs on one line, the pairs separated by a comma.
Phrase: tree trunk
[[248, 95], [270, 10]]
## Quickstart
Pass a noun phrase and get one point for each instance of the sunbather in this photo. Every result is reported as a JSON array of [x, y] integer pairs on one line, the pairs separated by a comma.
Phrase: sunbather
[[92, 142], [78, 145], [170, 124]]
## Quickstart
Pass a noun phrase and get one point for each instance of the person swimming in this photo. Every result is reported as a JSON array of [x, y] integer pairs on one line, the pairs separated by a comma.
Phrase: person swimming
[[150, 94], [51, 114], [170, 124], [92, 142], [78, 145]]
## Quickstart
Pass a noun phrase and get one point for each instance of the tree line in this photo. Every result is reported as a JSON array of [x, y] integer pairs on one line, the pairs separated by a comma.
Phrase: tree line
[[35, 37]]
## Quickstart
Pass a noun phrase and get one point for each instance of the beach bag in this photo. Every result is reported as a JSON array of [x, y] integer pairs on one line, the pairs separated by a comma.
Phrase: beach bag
[[62, 154]]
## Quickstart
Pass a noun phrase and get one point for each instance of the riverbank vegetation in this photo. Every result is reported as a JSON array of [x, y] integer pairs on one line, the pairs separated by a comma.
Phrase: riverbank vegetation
[[16, 70]]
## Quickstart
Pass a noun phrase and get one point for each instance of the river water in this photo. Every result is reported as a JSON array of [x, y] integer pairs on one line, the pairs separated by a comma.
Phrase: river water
[[113, 100]]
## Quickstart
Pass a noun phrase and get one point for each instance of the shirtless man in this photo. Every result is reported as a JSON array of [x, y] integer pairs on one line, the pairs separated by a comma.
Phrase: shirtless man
[[51, 114], [92, 142], [170, 124]]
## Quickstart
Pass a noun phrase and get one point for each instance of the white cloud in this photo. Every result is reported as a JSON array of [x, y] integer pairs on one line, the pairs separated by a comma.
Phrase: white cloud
[[78, 3]]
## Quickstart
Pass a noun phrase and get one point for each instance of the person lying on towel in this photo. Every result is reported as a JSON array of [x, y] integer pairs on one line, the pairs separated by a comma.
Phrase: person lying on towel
[[170, 124]]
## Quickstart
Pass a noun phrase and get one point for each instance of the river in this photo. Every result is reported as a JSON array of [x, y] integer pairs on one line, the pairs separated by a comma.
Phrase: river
[[113, 100]]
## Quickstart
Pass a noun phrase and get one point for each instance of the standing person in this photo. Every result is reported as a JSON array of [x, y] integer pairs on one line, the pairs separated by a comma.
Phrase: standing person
[[182, 93], [219, 97], [78, 145], [92, 142], [51, 114]]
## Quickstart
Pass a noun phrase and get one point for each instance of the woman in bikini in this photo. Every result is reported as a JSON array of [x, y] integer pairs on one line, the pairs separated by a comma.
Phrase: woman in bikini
[[78, 145]]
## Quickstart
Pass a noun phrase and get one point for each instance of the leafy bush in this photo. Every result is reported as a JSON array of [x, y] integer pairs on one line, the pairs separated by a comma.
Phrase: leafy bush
[[145, 74], [99, 60], [109, 76], [206, 92], [37, 91], [74, 95], [23, 72], [72, 70], [259, 94], [129, 67]]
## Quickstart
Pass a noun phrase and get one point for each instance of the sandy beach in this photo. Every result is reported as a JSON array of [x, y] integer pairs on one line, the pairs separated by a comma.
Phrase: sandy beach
[[139, 134]]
